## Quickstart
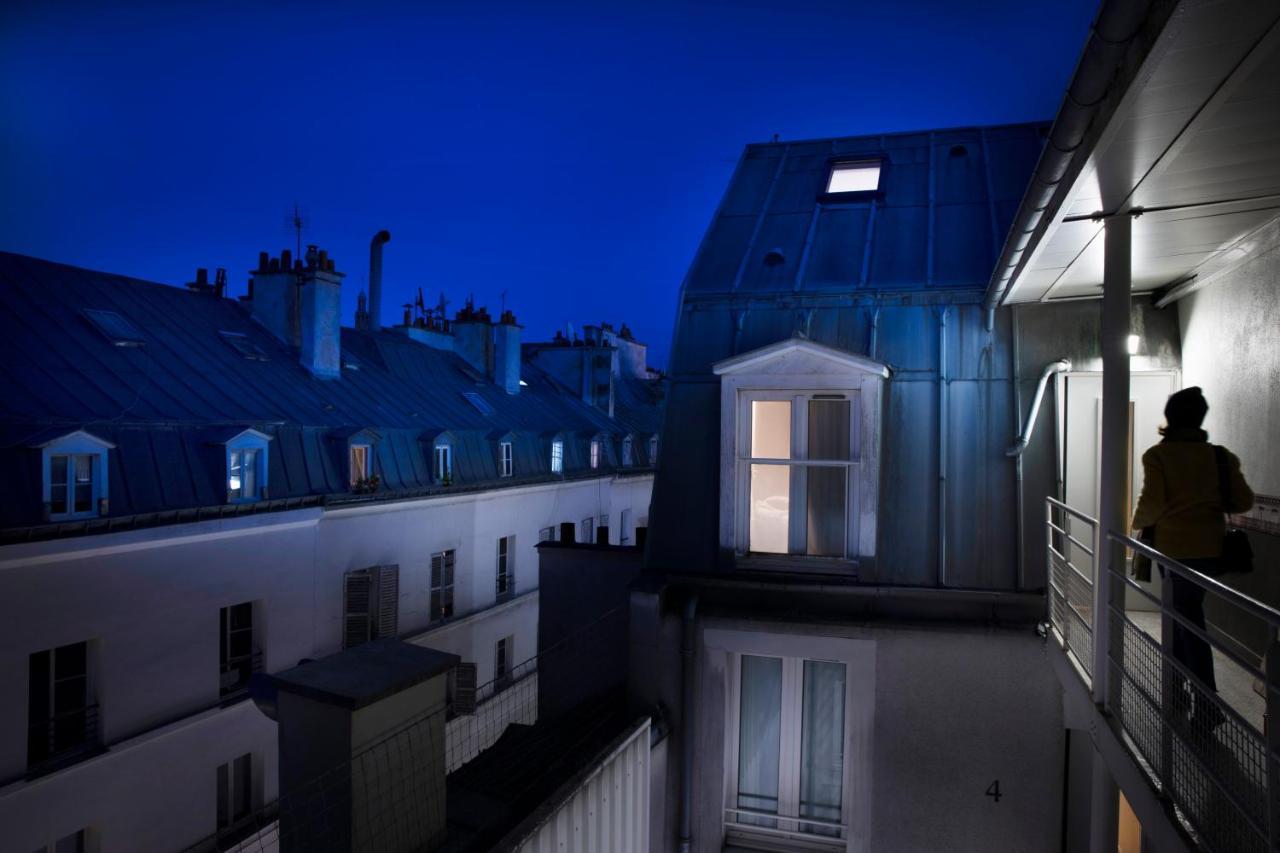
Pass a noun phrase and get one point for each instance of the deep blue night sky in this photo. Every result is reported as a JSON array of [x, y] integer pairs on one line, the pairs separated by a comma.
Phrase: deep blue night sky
[[569, 155]]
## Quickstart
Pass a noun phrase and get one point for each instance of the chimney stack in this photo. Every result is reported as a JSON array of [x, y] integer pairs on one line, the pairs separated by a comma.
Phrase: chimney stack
[[506, 353], [301, 306], [473, 338], [375, 278]]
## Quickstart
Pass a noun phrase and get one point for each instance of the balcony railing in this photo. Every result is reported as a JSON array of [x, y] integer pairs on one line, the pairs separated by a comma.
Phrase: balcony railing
[[62, 740], [1214, 756]]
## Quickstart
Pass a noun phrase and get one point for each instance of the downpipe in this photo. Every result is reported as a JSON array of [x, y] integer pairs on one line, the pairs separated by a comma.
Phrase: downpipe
[[1059, 366], [687, 672], [942, 447]]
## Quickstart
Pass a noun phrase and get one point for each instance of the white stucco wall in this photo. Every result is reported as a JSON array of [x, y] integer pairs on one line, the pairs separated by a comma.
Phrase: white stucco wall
[[149, 603]]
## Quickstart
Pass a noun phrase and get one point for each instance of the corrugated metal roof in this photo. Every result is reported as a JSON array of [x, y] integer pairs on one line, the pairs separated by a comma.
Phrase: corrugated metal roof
[[169, 402]]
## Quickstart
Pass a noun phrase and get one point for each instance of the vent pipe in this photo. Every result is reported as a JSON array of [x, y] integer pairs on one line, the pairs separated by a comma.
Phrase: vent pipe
[[375, 278]]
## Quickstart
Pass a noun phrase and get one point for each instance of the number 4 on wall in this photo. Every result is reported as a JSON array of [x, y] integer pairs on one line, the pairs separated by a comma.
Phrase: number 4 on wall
[[993, 790]]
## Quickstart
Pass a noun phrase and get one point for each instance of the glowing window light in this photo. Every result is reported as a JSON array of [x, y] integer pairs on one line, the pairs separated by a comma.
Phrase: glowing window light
[[854, 177]]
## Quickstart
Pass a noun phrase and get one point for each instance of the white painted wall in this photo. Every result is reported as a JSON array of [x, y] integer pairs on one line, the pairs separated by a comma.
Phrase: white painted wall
[[150, 599]]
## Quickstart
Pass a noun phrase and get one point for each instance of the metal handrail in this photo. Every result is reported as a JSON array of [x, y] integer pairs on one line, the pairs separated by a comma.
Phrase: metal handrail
[[1251, 605], [829, 824], [1054, 502]]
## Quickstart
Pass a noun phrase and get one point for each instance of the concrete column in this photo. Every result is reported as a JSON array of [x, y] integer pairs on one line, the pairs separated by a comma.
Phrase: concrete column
[[1116, 295]]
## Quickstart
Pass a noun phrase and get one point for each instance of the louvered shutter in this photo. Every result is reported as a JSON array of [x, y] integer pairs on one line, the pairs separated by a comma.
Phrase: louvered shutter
[[388, 612], [464, 688], [357, 594]]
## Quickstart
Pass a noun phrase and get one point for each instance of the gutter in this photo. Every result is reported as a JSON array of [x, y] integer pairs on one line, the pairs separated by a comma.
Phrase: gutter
[[1113, 32]]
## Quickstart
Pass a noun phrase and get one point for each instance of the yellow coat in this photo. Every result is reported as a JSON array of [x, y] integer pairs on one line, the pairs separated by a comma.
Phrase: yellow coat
[[1181, 499]]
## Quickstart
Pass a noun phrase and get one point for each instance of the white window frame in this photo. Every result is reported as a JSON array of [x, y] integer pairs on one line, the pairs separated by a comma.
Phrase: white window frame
[[365, 464], [249, 440], [547, 534], [628, 452], [505, 458], [557, 456], [597, 446], [587, 530], [504, 581], [446, 588], [859, 658], [442, 464], [794, 370], [83, 444]]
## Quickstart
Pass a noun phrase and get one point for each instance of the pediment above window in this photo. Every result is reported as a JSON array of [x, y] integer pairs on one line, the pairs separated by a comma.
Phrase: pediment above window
[[85, 442], [798, 356]]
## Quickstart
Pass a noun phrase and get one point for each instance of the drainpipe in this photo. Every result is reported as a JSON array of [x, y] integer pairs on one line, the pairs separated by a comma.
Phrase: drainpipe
[[1053, 368], [942, 447], [687, 662], [1016, 359], [875, 332], [1062, 365]]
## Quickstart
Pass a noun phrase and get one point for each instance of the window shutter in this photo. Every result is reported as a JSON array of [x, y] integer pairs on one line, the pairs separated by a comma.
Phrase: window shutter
[[464, 688], [357, 594], [388, 615]]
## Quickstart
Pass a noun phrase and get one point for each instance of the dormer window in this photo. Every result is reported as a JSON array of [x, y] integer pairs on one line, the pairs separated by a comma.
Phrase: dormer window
[[801, 472], [75, 476], [504, 459], [247, 467], [596, 447], [444, 463], [861, 176], [557, 456], [627, 452], [360, 463]]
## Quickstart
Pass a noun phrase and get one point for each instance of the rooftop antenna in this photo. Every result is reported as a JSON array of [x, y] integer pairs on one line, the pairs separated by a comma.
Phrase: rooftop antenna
[[297, 221]]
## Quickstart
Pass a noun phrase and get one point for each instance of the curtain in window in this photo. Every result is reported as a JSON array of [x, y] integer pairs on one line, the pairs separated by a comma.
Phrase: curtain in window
[[825, 490], [759, 732], [84, 483], [822, 744]]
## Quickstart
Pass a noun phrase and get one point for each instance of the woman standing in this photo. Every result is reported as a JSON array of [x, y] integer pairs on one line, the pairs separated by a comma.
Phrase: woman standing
[[1182, 499]]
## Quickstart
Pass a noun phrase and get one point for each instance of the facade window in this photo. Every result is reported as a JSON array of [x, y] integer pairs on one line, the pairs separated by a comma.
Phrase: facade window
[[547, 534], [557, 457], [237, 656], [504, 459], [370, 604], [235, 791], [444, 464], [503, 665], [360, 461], [653, 450], [859, 177], [624, 528], [76, 842], [595, 452], [247, 467], [75, 476], [790, 748], [587, 529], [61, 717], [442, 585], [602, 530], [505, 581], [627, 452]]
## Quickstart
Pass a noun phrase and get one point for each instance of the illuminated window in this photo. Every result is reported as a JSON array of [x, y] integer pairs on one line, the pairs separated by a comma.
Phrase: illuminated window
[[75, 476], [504, 458], [854, 177], [247, 467], [627, 452], [359, 460], [557, 457], [444, 464], [595, 453]]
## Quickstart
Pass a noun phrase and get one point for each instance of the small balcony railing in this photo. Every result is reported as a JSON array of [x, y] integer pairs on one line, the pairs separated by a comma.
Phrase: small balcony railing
[[1215, 757], [62, 740], [234, 674]]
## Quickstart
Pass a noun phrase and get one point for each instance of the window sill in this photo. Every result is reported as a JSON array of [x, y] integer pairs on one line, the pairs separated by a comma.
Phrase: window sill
[[795, 564]]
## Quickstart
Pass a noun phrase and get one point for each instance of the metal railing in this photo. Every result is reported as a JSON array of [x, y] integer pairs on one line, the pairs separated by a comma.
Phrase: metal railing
[[815, 832], [62, 740], [1216, 761], [1073, 565]]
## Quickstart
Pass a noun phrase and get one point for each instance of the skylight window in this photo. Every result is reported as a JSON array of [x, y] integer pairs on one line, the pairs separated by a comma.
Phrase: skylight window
[[115, 328], [481, 404], [854, 177], [241, 343]]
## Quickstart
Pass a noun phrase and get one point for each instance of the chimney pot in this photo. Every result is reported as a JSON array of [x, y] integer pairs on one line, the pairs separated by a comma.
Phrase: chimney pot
[[262, 261], [274, 265], [202, 276]]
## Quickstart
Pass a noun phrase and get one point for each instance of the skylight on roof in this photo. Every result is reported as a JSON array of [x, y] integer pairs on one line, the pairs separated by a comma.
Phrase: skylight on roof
[[854, 177], [241, 343], [481, 404], [115, 328]]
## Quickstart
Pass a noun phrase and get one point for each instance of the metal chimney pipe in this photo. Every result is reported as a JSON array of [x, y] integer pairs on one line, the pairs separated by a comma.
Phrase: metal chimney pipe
[[375, 279]]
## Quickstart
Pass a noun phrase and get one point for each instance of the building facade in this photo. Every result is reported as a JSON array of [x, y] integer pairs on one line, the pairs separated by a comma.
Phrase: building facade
[[202, 488]]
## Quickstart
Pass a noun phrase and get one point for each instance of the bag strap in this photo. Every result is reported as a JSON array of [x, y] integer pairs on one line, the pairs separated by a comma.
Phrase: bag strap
[[1224, 486]]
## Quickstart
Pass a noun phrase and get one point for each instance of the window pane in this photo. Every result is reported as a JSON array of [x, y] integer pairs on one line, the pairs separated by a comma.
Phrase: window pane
[[829, 429], [250, 474], [234, 468], [770, 429], [57, 484], [854, 177], [357, 463], [759, 736], [84, 484], [822, 744], [243, 785], [825, 510], [770, 508]]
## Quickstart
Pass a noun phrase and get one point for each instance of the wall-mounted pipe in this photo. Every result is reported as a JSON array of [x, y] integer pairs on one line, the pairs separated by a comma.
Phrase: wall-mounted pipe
[[1059, 366], [687, 712], [375, 278], [942, 447], [875, 333]]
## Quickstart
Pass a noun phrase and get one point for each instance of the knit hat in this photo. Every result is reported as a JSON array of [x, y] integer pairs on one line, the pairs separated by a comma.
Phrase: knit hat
[[1186, 408]]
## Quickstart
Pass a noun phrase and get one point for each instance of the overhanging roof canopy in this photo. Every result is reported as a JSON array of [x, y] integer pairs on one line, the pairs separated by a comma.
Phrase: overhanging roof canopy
[[1193, 141]]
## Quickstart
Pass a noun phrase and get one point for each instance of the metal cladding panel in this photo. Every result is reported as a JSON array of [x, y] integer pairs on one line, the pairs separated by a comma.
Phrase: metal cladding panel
[[963, 245], [836, 251], [686, 491], [908, 517], [608, 812], [908, 338], [783, 231], [717, 263], [168, 452], [898, 259], [706, 336], [801, 180], [751, 182]]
